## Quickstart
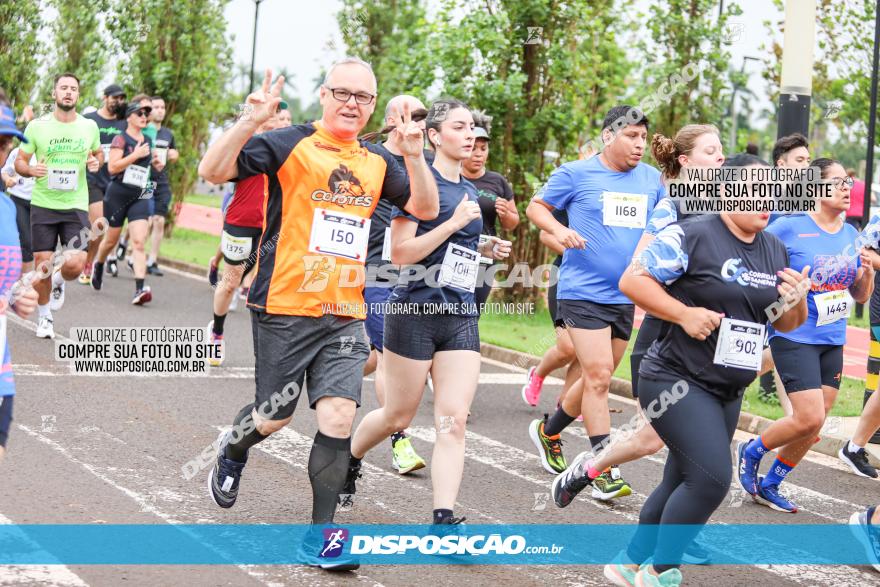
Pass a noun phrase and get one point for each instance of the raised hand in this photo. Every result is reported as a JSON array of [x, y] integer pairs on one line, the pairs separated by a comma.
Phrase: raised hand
[[407, 135], [262, 104]]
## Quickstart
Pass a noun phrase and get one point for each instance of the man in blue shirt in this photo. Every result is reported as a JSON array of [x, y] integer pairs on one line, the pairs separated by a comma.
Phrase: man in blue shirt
[[608, 199]]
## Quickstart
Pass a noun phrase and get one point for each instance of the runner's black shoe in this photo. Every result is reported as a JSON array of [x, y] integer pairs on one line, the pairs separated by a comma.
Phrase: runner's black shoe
[[570, 482], [112, 267], [154, 270], [225, 476], [346, 496], [97, 276], [857, 461], [120, 250]]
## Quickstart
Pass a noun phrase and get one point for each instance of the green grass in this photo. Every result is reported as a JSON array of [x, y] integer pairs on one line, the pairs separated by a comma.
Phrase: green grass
[[533, 334], [849, 400], [204, 200], [190, 246]]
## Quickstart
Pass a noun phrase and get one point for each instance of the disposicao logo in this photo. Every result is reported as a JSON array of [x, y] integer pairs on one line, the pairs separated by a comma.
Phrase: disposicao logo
[[334, 541]]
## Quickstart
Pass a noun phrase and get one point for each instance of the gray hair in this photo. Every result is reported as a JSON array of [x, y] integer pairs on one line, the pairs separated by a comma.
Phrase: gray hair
[[346, 61]]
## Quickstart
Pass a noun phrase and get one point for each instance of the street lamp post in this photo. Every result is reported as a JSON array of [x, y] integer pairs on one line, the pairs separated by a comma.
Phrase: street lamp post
[[866, 205], [254, 46], [797, 68]]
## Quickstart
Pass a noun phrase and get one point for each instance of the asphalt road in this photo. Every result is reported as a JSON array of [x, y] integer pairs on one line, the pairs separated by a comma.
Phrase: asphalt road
[[93, 450]]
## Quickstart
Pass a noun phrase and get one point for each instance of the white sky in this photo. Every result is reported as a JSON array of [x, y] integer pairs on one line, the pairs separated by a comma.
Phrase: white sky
[[305, 52]]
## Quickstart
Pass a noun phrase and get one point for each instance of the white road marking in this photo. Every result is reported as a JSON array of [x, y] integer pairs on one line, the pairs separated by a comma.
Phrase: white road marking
[[54, 575], [302, 575], [511, 460], [293, 448]]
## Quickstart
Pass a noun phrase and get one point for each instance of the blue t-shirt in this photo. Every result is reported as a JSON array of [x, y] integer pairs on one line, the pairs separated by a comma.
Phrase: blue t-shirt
[[580, 188], [10, 269], [426, 290], [808, 244]]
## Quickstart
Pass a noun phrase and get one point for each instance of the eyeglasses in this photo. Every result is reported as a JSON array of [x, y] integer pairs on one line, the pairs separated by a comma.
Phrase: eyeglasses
[[344, 95], [842, 181]]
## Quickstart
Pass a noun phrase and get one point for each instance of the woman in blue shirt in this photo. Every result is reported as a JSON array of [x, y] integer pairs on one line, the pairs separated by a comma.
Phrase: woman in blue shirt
[[19, 297], [431, 317], [810, 358]]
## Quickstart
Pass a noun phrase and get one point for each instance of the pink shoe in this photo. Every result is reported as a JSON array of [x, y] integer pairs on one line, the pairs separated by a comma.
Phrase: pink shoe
[[531, 391]]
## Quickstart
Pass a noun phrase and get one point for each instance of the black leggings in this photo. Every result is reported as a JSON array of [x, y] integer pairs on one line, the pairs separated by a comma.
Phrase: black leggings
[[698, 429], [5, 417], [648, 333]]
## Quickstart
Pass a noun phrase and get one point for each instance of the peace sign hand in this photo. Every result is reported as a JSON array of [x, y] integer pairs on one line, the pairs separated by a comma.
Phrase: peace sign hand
[[262, 104], [407, 134]]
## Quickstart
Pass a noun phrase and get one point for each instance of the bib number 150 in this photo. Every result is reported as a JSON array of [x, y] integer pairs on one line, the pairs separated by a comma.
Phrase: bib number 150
[[342, 236]]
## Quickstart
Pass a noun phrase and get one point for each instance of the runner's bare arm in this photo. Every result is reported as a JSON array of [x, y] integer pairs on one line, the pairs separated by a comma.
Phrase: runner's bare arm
[[408, 249], [540, 214], [793, 284], [647, 293], [549, 241], [219, 164], [863, 286], [424, 200], [23, 166]]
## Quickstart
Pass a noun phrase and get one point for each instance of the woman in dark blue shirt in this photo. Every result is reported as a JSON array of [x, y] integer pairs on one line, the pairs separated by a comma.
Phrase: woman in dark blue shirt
[[431, 317]]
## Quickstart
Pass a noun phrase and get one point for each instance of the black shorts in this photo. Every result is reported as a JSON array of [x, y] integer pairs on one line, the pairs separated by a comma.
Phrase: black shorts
[[551, 296], [121, 202], [649, 331], [592, 316], [23, 223], [96, 194], [419, 337], [239, 244], [328, 353], [161, 199], [48, 226], [807, 366], [5, 417]]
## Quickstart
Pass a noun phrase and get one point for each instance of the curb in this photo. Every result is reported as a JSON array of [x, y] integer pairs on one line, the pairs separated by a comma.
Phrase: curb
[[192, 268], [750, 423]]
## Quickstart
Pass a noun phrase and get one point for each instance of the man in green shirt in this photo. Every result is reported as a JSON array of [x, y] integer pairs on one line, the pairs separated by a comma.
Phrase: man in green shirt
[[66, 145]]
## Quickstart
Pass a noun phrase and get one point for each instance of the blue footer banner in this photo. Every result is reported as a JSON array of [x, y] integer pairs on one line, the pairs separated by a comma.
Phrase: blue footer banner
[[197, 544]]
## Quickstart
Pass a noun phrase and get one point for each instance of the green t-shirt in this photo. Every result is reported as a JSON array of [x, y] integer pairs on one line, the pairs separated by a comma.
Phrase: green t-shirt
[[64, 147], [150, 131]]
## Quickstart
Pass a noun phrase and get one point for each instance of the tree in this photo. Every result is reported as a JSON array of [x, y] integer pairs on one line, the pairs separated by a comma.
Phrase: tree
[[391, 35], [545, 71], [841, 72], [178, 50], [79, 45], [20, 48], [687, 36]]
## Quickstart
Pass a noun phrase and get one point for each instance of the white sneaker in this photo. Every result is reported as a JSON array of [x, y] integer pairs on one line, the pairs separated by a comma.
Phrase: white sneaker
[[234, 303], [45, 328], [56, 297], [430, 383]]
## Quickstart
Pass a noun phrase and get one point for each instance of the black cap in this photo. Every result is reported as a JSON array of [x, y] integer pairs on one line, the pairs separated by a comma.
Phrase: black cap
[[134, 107], [114, 90]]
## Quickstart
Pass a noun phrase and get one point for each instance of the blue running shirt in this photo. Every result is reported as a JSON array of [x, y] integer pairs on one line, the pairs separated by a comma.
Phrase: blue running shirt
[[10, 268], [609, 209], [830, 269]]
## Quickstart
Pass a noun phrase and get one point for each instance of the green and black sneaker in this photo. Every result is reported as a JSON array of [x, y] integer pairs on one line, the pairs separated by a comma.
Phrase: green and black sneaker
[[549, 447], [610, 485]]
